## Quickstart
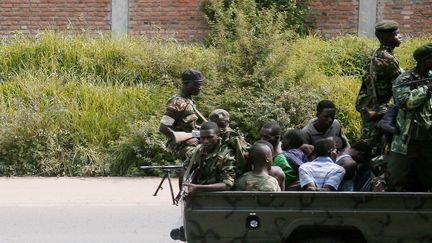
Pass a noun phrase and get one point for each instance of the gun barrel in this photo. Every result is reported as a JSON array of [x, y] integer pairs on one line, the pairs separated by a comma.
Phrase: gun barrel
[[414, 82], [162, 167]]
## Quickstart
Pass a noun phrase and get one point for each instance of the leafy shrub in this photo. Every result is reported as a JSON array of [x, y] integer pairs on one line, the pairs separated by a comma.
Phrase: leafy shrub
[[294, 14], [141, 144], [80, 106]]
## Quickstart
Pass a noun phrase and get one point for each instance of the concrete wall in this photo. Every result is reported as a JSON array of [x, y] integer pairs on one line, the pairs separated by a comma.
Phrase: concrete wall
[[184, 20]]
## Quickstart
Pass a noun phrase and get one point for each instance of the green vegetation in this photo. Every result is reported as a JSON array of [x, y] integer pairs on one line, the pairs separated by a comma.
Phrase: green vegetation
[[76, 105]]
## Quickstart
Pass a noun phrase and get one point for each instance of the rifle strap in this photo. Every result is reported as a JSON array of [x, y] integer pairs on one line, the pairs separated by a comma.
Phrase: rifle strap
[[198, 113], [372, 75]]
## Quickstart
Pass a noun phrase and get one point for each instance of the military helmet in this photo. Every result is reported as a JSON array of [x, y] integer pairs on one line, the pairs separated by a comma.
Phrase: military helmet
[[219, 115]]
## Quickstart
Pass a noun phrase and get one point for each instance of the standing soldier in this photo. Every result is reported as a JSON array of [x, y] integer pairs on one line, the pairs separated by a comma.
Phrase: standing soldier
[[181, 116], [410, 159], [376, 89]]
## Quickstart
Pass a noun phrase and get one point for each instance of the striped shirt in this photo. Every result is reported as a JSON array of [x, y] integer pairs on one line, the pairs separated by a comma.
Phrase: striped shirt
[[321, 171]]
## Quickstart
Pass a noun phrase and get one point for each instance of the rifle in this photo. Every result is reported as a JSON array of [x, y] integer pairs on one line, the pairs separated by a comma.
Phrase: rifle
[[414, 82], [167, 170], [183, 193]]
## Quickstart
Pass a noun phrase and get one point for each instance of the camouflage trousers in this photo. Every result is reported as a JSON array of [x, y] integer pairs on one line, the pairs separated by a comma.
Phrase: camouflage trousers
[[371, 134], [413, 171]]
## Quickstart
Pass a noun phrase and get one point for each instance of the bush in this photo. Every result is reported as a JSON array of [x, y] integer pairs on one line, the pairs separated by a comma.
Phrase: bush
[[74, 105], [141, 144], [294, 14]]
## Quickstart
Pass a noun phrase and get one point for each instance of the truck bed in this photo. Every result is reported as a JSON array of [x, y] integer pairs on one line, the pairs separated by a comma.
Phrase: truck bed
[[305, 216]]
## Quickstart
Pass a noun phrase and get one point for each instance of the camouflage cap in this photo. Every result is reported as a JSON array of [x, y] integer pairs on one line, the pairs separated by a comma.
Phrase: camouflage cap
[[219, 115], [423, 52], [192, 75], [386, 26]]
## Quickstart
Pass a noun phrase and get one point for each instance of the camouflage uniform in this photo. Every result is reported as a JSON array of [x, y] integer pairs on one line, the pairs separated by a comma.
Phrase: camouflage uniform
[[180, 115], [252, 182], [214, 167], [410, 159], [234, 140], [376, 92]]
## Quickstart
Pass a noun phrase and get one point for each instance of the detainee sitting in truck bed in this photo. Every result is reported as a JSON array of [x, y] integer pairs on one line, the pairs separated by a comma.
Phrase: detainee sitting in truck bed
[[261, 155], [292, 149], [322, 174], [359, 154]]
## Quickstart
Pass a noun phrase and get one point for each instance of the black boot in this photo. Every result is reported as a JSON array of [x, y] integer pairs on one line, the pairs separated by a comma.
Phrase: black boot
[[178, 234]]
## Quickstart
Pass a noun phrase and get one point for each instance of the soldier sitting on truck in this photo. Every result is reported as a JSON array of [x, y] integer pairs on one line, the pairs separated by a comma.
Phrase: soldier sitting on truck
[[212, 167], [322, 174], [258, 179], [234, 139]]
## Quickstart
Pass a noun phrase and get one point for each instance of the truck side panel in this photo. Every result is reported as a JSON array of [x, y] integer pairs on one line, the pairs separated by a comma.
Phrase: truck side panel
[[274, 217]]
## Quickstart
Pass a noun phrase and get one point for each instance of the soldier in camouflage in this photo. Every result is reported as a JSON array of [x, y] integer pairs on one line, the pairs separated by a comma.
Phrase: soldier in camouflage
[[410, 159], [213, 164], [182, 115], [234, 139], [376, 89]]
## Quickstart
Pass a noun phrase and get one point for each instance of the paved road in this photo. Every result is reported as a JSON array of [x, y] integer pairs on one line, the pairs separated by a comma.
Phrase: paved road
[[85, 210]]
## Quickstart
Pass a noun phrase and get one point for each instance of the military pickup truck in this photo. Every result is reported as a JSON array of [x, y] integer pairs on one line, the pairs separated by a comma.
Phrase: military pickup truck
[[309, 217]]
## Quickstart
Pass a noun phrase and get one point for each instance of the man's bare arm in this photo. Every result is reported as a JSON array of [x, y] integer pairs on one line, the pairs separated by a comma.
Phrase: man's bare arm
[[193, 188]]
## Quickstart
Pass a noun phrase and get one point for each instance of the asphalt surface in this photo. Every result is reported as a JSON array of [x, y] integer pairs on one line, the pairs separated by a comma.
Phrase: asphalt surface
[[86, 210]]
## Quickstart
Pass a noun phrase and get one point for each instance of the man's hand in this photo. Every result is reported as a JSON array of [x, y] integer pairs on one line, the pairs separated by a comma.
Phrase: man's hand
[[311, 187], [192, 142], [192, 188], [307, 149]]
